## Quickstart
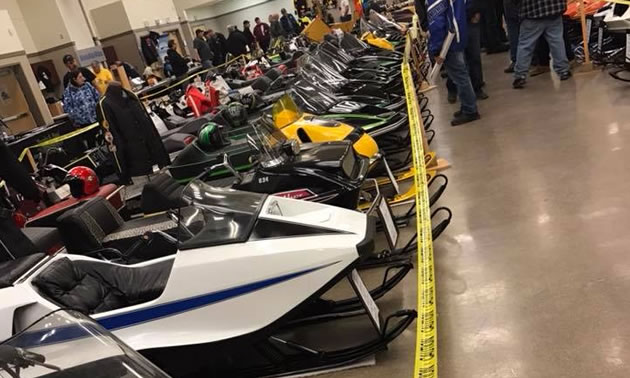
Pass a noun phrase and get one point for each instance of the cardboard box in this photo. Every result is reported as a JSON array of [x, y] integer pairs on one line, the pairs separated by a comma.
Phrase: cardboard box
[[56, 109], [12, 101], [21, 124]]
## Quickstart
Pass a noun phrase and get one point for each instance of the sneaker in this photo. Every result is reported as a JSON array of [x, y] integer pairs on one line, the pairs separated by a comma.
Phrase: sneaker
[[465, 118], [565, 75], [519, 84], [452, 98], [538, 70], [481, 95], [510, 68]]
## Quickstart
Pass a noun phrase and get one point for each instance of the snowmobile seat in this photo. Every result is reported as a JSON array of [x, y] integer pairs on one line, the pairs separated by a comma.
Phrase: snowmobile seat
[[46, 239], [11, 270], [161, 194], [96, 225], [93, 286], [176, 141]]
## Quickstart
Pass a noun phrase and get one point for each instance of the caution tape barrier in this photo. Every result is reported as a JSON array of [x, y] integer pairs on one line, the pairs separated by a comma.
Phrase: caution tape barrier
[[426, 338]]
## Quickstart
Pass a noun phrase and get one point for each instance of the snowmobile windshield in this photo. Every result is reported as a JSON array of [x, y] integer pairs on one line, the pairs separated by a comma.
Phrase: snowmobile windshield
[[312, 98], [219, 215], [317, 71], [382, 22], [350, 42], [336, 52], [285, 111], [68, 344], [331, 60]]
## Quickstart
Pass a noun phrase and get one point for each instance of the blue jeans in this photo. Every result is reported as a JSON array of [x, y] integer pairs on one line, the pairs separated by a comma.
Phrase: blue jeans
[[513, 26], [458, 73], [530, 31]]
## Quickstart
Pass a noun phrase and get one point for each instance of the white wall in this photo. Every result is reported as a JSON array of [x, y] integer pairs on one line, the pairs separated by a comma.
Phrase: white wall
[[110, 19], [144, 13], [45, 23], [15, 13], [89, 5], [76, 24], [235, 12], [9, 39]]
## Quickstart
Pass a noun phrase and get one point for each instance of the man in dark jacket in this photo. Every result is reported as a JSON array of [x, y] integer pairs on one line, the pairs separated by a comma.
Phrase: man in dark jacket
[[218, 45], [236, 42], [472, 52], [510, 7], [71, 65], [203, 49], [13, 243], [179, 63], [538, 18], [262, 34], [289, 23], [450, 16]]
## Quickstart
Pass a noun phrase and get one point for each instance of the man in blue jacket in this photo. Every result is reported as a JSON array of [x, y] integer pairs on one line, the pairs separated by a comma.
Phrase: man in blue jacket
[[540, 18], [450, 16]]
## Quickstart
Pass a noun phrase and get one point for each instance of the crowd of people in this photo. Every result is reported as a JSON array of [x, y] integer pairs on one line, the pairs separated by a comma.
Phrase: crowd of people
[[534, 32]]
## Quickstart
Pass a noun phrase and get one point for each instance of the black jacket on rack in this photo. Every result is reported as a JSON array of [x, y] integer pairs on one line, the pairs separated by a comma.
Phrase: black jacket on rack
[[138, 143]]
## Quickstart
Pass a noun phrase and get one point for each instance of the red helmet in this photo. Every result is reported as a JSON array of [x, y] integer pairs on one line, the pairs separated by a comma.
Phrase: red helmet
[[83, 181]]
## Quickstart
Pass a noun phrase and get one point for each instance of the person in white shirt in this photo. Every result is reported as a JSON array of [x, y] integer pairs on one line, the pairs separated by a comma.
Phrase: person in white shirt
[[344, 8]]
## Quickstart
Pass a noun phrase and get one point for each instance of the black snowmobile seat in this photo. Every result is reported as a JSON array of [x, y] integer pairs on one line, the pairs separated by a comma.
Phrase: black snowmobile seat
[[96, 225], [162, 193], [10, 271], [93, 286], [44, 238]]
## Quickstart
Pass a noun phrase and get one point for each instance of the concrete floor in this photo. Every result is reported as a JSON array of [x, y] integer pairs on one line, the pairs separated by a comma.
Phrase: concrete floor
[[532, 275]]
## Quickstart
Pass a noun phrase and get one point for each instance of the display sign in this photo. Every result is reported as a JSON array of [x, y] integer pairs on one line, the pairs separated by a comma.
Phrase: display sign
[[388, 222], [89, 55], [368, 302]]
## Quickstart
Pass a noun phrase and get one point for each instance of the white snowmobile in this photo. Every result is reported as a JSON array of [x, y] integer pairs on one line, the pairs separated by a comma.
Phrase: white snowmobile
[[245, 265]]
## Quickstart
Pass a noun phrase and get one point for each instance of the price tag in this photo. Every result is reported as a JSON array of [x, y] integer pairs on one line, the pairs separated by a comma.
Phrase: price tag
[[368, 302]]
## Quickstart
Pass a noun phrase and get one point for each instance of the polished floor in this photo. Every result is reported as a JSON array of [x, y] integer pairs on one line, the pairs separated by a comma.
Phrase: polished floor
[[533, 275]]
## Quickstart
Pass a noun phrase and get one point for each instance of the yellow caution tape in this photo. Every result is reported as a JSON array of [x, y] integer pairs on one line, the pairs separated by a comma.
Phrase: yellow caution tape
[[426, 337], [192, 75], [59, 139]]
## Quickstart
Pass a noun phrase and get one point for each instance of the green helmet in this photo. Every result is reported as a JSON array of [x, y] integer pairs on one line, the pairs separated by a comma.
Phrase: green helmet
[[210, 137]]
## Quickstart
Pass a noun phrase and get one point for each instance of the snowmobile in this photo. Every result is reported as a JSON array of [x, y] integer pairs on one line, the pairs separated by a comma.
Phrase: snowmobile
[[294, 125], [41, 350], [232, 250]]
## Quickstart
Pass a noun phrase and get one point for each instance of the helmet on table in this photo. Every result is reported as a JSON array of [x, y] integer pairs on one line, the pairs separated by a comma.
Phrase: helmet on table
[[83, 181]]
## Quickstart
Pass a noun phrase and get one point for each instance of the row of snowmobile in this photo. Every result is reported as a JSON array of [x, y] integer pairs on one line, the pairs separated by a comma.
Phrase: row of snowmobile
[[237, 245]]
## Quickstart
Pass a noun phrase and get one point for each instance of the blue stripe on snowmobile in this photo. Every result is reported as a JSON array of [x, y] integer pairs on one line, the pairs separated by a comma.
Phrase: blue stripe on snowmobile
[[172, 308], [72, 332]]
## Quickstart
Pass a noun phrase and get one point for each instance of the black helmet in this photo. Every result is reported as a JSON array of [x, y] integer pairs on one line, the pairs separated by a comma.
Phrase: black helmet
[[211, 138]]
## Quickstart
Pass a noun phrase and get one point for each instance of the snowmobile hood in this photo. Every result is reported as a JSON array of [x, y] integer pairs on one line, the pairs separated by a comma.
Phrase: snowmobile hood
[[325, 156]]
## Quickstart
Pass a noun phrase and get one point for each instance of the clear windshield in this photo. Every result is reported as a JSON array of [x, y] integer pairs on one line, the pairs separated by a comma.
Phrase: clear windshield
[[382, 22], [67, 344], [351, 43], [217, 216], [313, 69], [312, 98]]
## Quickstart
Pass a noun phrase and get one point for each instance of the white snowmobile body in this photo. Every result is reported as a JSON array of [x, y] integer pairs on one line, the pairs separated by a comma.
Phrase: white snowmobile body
[[268, 256], [617, 18]]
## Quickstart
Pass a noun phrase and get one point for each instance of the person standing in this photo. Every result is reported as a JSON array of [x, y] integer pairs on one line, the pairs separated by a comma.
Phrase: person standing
[[472, 53], [444, 14], [218, 44], [262, 34], [103, 77], [203, 49], [510, 8], [276, 27], [540, 18], [178, 62], [236, 42], [289, 24], [71, 65], [80, 99], [251, 41]]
